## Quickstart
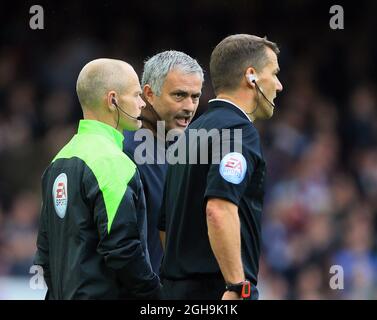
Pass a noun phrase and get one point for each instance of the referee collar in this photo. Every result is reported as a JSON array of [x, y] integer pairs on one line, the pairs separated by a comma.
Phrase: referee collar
[[95, 127], [231, 103]]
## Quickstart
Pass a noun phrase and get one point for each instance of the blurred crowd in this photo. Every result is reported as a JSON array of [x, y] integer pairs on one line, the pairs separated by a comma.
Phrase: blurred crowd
[[321, 204], [321, 145]]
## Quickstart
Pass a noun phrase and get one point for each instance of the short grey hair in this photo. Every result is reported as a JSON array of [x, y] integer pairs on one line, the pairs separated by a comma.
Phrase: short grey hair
[[157, 67]]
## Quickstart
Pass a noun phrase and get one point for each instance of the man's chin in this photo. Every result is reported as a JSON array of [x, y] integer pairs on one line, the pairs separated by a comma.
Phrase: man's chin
[[177, 130], [136, 125], [267, 113]]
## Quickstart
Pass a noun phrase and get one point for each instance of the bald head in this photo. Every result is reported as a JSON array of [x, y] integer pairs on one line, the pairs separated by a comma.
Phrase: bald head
[[100, 76]]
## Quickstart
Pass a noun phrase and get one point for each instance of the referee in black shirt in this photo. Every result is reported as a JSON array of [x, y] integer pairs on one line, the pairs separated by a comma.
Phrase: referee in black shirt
[[210, 219]]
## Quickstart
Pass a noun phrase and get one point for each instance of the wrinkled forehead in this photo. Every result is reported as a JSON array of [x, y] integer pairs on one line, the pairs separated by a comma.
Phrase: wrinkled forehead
[[178, 79]]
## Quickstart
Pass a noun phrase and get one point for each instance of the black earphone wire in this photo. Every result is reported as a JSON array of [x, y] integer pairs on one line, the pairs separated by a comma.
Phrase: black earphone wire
[[260, 91], [116, 128]]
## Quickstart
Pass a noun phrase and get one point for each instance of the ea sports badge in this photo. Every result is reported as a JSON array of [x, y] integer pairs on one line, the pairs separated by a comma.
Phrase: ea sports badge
[[233, 167], [60, 195]]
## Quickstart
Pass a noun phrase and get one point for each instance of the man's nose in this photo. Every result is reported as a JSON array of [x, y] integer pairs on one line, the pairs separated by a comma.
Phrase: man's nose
[[142, 103], [279, 86], [190, 105]]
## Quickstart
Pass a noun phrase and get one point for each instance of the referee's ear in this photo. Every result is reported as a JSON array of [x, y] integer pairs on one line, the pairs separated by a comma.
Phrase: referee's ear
[[148, 94], [251, 76]]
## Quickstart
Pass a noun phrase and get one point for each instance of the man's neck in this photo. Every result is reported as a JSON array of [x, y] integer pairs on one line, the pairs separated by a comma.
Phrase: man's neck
[[151, 117], [239, 102], [89, 115]]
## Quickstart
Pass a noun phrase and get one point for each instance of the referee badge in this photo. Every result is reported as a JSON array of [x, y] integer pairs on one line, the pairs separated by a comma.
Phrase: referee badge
[[233, 167], [60, 195]]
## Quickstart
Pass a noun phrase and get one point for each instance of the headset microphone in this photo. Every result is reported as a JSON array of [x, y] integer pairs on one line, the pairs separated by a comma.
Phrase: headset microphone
[[119, 108], [253, 78]]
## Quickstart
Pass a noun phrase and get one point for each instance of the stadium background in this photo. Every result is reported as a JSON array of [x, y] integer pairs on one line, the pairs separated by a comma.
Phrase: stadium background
[[321, 200]]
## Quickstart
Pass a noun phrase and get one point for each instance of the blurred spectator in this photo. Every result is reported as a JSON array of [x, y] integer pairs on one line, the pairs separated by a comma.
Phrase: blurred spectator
[[366, 168], [272, 285], [356, 255], [309, 284], [361, 126], [19, 234]]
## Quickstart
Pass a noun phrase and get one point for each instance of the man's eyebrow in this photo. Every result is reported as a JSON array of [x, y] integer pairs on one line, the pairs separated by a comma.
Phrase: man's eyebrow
[[186, 93], [179, 91]]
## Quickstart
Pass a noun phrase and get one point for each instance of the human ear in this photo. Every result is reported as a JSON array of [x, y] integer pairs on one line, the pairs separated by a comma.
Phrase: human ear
[[148, 94], [251, 76]]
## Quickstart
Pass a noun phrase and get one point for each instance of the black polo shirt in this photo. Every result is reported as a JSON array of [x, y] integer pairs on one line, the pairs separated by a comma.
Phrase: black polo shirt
[[236, 174]]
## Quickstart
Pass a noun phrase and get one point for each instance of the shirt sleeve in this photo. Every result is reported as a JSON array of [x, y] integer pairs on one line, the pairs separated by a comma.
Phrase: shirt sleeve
[[42, 255], [230, 173], [121, 243]]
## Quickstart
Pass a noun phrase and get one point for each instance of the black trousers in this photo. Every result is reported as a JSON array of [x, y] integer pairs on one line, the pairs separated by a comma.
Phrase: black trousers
[[198, 289]]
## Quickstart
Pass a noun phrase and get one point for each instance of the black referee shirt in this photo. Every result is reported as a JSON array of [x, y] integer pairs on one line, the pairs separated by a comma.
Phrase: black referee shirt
[[237, 177]]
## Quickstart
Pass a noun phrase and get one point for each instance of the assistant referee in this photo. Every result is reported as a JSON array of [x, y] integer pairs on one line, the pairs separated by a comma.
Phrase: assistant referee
[[92, 235], [211, 213]]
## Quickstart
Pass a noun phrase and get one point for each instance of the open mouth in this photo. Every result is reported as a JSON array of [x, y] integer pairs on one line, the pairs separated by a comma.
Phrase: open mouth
[[183, 121]]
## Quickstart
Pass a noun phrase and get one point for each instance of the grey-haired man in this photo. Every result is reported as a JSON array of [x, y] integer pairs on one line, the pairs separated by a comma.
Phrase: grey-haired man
[[172, 83]]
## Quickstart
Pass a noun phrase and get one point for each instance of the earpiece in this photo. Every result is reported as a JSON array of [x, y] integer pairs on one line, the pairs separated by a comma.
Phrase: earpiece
[[114, 102], [252, 78]]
